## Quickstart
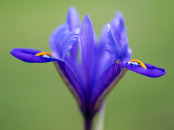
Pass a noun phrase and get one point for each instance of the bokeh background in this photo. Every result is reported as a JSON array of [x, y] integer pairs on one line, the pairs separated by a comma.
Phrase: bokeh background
[[33, 96]]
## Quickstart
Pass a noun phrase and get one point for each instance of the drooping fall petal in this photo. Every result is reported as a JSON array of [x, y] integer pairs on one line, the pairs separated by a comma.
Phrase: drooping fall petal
[[29, 55], [150, 70]]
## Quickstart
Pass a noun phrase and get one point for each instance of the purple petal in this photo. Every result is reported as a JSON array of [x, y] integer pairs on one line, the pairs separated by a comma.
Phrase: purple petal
[[120, 34], [112, 46], [117, 26], [103, 35], [151, 71], [106, 54], [73, 20], [72, 81], [125, 54], [28, 55], [87, 42], [62, 40], [104, 84], [99, 58], [56, 38], [68, 41]]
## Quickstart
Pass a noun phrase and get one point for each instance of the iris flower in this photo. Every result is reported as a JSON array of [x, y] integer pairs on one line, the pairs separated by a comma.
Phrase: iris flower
[[89, 67]]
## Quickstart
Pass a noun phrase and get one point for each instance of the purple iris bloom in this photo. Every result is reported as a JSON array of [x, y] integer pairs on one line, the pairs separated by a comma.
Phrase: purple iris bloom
[[90, 67]]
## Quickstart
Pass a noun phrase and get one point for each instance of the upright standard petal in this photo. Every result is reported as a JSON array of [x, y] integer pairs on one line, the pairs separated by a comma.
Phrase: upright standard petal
[[73, 20], [30, 55], [62, 40], [125, 53], [87, 42], [118, 26], [143, 68], [103, 35], [68, 41], [100, 60], [120, 34], [107, 53], [56, 38], [112, 46]]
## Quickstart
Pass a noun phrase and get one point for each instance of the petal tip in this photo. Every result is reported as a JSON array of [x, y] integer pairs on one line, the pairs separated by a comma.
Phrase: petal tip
[[73, 18], [163, 71], [14, 50], [11, 52], [87, 18], [87, 24], [118, 13], [72, 9]]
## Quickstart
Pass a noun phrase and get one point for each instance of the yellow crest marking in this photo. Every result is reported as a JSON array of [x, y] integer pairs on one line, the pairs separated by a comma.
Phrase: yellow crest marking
[[44, 53], [117, 61], [141, 63]]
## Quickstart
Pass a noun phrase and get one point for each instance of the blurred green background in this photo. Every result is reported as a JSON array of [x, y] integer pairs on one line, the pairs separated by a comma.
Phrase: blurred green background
[[33, 96]]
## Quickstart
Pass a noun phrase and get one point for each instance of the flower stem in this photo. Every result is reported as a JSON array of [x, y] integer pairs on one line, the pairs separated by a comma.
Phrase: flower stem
[[88, 124]]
